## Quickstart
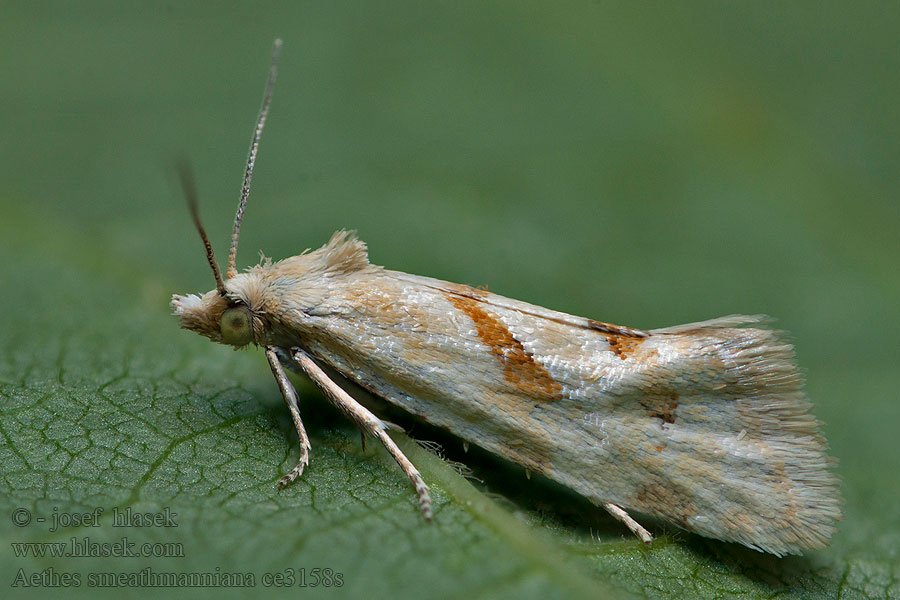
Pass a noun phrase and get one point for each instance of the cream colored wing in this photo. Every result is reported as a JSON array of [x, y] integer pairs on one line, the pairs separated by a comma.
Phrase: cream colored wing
[[704, 425]]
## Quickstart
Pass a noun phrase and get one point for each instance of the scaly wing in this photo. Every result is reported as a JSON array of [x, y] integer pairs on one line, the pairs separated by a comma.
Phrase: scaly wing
[[704, 425]]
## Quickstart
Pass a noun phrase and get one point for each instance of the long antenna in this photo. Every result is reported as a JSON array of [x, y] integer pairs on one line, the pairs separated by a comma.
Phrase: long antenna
[[186, 174], [251, 159]]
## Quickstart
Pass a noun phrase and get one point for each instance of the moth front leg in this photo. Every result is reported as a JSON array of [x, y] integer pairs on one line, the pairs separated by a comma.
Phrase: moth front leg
[[366, 421], [290, 398]]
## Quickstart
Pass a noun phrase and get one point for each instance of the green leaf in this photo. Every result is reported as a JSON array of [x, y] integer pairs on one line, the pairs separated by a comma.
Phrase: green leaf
[[643, 167]]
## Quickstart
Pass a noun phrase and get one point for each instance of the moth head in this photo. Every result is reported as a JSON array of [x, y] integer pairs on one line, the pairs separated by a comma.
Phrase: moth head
[[201, 313], [219, 318], [222, 315]]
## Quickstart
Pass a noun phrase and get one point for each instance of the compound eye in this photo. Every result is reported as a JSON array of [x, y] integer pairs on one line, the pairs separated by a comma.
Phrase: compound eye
[[235, 326]]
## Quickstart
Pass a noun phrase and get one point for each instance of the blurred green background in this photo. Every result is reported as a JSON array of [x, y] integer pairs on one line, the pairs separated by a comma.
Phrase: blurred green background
[[643, 164]]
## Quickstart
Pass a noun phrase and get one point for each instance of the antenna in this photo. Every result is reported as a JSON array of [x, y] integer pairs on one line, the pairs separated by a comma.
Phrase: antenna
[[186, 174], [251, 159]]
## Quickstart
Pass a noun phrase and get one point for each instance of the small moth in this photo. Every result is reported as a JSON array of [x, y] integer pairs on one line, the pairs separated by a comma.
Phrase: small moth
[[704, 425]]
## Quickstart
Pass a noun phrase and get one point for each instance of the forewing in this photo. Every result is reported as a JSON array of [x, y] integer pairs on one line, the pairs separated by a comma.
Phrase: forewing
[[703, 425]]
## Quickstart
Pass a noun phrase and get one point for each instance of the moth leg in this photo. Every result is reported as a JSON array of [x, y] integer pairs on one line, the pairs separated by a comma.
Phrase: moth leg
[[366, 421], [635, 527], [290, 398]]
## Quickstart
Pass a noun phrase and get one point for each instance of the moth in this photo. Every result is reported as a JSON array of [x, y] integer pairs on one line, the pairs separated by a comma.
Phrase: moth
[[704, 425]]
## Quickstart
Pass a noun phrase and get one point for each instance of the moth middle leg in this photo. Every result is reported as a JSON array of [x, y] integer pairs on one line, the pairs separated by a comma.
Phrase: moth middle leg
[[290, 398], [366, 421]]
